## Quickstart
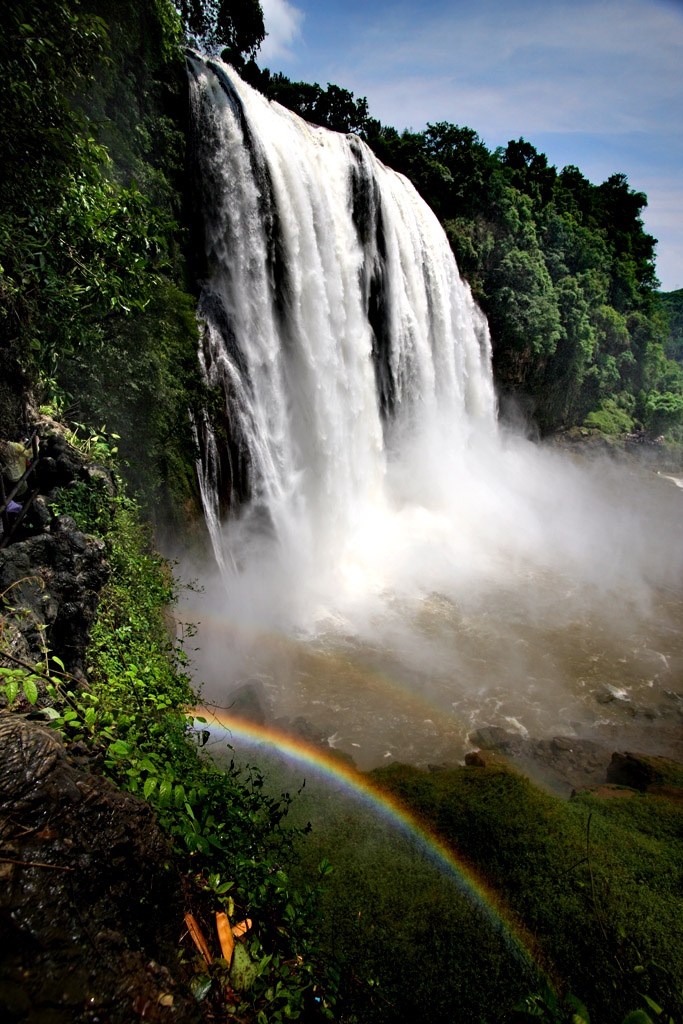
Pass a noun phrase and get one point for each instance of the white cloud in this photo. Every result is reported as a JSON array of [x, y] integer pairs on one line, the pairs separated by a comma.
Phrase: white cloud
[[663, 218], [605, 66], [283, 24]]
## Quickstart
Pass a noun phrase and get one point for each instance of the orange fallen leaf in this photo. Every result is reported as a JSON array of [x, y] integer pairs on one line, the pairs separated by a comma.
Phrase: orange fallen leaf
[[242, 927], [197, 937], [225, 936]]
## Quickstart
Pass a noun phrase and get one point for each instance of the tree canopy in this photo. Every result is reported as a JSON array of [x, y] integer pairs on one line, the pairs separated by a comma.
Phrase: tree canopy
[[236, 25], [563, 268]]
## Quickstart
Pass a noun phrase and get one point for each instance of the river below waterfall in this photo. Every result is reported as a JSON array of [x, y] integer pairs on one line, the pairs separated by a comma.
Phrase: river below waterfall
[[386, 668]]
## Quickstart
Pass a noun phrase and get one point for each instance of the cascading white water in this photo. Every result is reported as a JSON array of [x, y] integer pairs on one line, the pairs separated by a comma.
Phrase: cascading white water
[[394, 565], [310, 239]]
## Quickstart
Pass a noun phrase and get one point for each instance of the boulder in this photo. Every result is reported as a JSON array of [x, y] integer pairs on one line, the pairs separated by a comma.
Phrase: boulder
[[485, 759], [90, 903], [492, 737], [51, 584], [641, 771]]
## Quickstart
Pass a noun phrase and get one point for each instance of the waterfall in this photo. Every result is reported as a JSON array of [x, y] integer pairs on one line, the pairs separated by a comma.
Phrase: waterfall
[[335, 323], [396, 568]]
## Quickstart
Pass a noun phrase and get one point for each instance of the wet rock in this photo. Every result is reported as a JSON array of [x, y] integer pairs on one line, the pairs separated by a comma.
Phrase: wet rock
[[59, 463], [484, 759], [491, 737], [90, 905], [33, 767], [647, 712], [643, 770], [561, 764], [40, 514], [250, 701], [51, 583], [306, 731]]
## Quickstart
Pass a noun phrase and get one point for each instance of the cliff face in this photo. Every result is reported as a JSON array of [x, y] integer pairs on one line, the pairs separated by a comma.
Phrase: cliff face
[[51, 573]]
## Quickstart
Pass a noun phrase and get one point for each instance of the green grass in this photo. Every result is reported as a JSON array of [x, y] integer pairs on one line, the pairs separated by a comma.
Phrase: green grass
[[597, 882]]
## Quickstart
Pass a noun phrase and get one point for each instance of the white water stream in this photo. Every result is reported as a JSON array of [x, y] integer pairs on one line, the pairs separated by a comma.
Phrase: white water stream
[[395, 569]]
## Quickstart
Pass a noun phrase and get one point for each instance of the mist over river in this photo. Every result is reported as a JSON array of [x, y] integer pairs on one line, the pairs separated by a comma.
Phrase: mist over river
[[548, 601]]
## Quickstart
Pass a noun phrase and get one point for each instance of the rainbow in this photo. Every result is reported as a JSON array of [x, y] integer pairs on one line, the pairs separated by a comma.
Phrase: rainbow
[[519, 943]]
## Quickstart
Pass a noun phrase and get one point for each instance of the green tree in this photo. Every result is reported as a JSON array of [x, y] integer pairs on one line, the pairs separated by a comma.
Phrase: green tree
[[74, 245], [236, 25], [671, 303], [333, 107]]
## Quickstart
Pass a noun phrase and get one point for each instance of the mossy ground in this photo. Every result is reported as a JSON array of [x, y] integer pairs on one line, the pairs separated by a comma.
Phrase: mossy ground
[[592, 887]]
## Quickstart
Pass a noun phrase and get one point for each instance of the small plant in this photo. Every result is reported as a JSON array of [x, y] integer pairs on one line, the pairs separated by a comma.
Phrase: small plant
[[88, 503], [95, 444]]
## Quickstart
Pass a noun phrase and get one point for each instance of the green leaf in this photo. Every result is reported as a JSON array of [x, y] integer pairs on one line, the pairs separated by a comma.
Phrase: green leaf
[[11, 689], [149, 787], [200, 984], [580, 1015], [31, 690], [244, 971], [120, 748], [165, 790], [651, 1003]]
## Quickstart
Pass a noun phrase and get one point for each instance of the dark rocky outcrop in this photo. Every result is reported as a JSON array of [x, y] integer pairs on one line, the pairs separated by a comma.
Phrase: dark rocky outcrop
[[51, 573], [90, 911], [51, 584], [645, 772], [567, 765], [561, 764]]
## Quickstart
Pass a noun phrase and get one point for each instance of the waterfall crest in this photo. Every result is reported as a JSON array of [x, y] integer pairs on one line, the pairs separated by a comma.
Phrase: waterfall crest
[[336, 323]]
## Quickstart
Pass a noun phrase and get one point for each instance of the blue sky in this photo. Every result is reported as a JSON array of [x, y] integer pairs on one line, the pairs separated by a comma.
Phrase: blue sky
[[596, 83]]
